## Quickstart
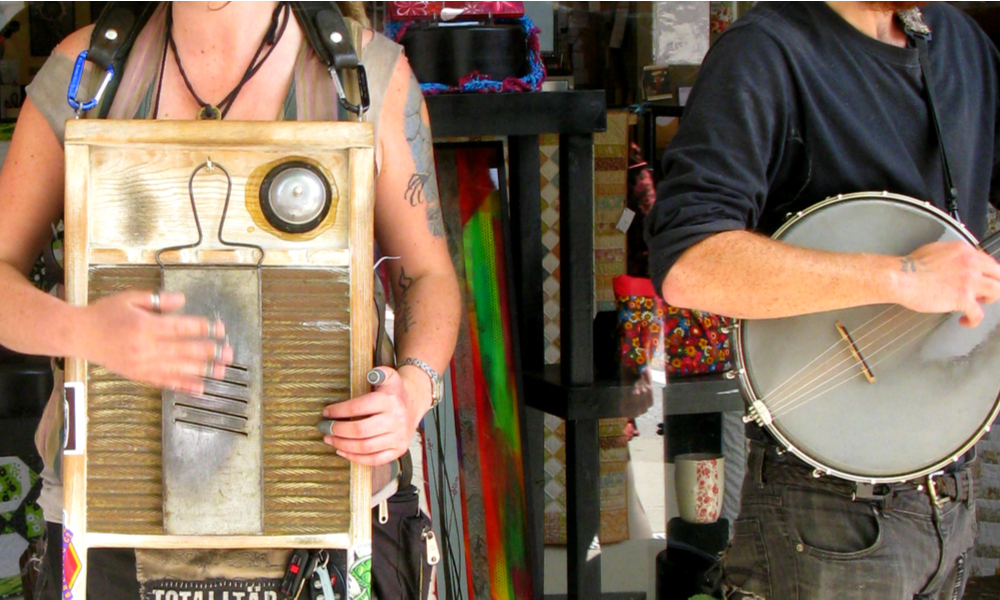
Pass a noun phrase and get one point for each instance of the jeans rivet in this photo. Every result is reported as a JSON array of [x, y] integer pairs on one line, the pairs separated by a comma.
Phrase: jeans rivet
[[800, 548]]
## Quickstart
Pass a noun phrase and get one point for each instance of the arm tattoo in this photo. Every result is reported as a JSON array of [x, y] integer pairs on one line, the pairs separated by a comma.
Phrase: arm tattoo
[[422, 188], [404, 316], [908, 264]]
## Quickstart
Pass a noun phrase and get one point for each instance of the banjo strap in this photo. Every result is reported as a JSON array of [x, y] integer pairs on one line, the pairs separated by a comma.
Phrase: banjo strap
[[920, 33]]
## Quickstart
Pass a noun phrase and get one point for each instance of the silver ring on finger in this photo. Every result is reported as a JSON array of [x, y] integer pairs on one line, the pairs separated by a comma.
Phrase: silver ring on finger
[[154, 301], [218, 351], [210, 370], [213, 329]]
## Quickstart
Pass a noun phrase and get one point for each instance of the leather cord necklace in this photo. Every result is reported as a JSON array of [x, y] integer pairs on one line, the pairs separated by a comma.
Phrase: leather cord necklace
[[218, 111]]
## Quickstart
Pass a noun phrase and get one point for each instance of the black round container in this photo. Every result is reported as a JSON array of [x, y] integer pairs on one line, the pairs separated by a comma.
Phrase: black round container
[[681, 571], [443, 53]]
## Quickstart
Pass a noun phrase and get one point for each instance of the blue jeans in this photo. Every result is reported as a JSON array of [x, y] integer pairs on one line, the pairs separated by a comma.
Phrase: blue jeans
[[798, 538]]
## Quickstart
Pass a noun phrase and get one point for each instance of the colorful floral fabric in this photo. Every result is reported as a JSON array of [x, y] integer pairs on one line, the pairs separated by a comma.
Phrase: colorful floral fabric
[[677, 340], [695, 342]]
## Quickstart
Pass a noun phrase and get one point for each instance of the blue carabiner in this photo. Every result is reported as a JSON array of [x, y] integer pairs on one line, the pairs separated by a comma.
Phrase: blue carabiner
[[74, 86]]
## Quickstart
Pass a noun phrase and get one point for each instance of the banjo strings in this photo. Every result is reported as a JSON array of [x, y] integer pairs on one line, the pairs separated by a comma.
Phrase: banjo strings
[[782, 404]]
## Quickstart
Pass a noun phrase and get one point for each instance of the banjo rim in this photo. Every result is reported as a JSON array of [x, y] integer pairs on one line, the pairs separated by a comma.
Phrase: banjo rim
[[750, 395]]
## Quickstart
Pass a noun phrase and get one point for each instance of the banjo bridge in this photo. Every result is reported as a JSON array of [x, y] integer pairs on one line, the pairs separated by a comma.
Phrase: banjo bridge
[[856, 352]]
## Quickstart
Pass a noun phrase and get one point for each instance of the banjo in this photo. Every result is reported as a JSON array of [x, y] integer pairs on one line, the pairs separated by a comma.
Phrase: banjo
[[872, 394]]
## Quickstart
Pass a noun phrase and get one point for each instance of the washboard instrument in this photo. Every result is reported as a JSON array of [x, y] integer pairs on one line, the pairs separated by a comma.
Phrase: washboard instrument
[[204, 208], [874, 394]]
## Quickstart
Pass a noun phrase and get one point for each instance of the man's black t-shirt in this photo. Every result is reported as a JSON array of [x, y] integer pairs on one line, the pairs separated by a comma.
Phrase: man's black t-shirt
[[794, 105]]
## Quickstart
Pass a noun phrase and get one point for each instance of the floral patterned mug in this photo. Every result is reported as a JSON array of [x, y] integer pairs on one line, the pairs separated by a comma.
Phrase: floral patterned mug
[[699, 480]]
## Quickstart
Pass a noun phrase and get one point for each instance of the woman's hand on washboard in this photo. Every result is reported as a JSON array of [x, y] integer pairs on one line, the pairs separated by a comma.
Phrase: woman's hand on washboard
[[135, 335], [375, 428]]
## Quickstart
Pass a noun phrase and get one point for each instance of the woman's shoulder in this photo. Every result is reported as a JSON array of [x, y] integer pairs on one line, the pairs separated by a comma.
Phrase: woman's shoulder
[[76, 42], [373, 42], [388, 69]]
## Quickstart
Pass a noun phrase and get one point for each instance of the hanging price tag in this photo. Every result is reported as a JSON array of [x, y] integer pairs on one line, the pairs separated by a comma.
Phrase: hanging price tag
[[625, 221]]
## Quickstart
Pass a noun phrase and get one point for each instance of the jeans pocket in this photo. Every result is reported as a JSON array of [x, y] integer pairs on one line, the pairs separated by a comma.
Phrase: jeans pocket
[[745, 569], [831, 526]]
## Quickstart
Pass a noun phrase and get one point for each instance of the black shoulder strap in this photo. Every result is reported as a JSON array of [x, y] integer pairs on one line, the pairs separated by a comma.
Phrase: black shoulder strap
[[920, 33], [324, 26], [330, 38], [327, 33], [950, 191], [114, 33]]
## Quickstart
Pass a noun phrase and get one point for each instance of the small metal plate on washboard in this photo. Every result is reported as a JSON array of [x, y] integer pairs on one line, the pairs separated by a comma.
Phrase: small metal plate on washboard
[[212, 446]]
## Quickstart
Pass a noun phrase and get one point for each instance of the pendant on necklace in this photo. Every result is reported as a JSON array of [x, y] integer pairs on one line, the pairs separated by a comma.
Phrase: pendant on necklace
[[209, 113]]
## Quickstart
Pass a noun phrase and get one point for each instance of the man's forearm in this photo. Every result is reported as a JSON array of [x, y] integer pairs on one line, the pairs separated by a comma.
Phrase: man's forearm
[[746, 275]]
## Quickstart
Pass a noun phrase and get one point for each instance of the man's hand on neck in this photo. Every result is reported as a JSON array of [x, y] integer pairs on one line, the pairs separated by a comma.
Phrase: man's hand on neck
[[876, 23]]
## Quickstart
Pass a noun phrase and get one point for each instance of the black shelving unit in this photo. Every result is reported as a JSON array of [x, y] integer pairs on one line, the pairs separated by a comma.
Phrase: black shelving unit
[[650, 113], [704, 394], [521, 118], [569, 390]]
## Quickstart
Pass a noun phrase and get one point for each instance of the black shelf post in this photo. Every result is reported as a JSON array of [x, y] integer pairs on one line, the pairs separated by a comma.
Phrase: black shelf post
[[576, 233], [649, 115], [575, 116], [526, 221]]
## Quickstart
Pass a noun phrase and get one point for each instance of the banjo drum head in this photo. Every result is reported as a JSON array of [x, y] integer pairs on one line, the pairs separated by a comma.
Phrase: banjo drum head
[[935, 384]]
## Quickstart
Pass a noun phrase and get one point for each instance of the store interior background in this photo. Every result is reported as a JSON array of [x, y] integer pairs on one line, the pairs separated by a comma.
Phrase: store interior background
[[617, 47]]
